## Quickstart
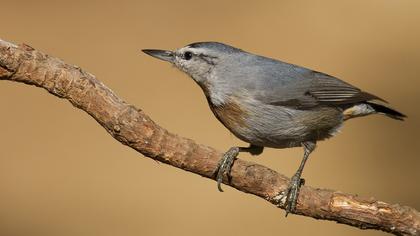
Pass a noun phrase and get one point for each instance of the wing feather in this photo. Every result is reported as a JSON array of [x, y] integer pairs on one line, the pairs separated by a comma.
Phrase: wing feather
[[316, 88]]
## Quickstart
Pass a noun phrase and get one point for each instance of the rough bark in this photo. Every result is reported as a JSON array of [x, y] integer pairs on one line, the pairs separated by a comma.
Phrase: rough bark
[[132, 127]]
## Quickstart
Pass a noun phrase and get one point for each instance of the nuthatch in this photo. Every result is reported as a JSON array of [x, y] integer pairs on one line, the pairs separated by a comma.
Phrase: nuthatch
[[270, 103]]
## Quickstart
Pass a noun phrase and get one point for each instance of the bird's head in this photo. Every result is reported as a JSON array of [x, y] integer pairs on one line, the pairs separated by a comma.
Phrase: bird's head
[[198, 60]]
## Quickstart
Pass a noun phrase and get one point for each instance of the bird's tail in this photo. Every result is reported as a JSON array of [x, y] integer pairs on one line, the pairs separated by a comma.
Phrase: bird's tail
[[382, 109], [368, 108]]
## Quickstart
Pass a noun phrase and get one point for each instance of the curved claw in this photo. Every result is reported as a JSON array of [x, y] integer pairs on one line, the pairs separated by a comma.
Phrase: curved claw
[[219, 185], [220, 171]]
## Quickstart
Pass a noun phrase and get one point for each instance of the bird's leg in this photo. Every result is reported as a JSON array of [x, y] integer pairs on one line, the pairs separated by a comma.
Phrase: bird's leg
[[225, 164], [296, 181]]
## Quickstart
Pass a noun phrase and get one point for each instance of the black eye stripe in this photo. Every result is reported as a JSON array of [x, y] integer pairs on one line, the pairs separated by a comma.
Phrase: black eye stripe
[[208, 59], [188, 55]]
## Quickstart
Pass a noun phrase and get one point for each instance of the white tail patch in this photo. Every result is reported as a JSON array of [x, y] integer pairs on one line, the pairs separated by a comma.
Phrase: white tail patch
[[358, 110]]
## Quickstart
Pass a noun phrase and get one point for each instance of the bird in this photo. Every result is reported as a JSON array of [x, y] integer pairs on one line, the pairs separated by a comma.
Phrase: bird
[[269, 103]]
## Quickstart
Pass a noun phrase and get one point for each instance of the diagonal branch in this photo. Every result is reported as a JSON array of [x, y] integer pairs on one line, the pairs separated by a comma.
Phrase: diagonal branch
[[132, 127]]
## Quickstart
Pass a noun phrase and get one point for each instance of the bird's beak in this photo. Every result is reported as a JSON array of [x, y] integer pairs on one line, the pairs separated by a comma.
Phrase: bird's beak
[[161, 54]]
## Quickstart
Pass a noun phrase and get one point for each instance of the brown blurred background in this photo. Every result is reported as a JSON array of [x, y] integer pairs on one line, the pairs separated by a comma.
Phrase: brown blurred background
[[62, 174]]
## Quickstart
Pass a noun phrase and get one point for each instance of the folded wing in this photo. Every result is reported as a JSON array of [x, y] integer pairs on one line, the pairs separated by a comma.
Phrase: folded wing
[[311, 89]]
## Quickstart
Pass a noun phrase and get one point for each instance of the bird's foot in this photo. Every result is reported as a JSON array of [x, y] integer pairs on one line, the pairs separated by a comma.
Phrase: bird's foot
[[292, 193], [225, 165]]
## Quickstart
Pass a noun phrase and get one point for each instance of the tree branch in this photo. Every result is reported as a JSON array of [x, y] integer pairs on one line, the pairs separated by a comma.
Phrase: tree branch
[[132, 127]]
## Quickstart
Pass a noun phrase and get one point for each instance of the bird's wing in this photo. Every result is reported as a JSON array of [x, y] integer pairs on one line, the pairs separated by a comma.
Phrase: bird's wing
[[307, 89]]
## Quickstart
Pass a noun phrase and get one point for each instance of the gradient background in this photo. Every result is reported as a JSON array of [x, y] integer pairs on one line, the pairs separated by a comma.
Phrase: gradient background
[[62, 174]]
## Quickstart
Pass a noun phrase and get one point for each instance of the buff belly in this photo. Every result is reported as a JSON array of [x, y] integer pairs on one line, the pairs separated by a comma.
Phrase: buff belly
[[278, 126]]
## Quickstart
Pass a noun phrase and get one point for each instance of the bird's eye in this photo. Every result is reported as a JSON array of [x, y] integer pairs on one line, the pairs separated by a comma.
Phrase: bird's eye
[[188, 55]]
